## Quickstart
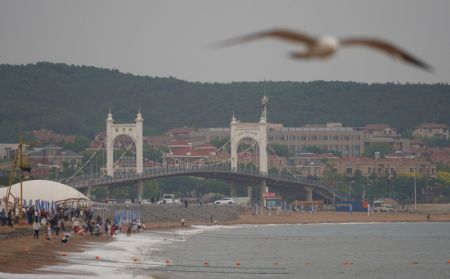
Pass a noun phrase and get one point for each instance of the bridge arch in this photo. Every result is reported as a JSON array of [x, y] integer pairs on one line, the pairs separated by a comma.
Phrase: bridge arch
[[134, 131], [257, 132]]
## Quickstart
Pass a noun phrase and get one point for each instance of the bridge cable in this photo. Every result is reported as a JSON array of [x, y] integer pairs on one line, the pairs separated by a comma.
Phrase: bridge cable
[[84, 165]]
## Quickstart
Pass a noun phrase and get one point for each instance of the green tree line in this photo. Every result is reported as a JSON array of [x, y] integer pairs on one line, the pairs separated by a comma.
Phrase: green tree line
[[76, 99]]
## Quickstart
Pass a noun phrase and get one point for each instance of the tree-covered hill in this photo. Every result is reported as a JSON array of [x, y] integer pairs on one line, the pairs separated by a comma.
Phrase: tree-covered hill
[[75, 100]]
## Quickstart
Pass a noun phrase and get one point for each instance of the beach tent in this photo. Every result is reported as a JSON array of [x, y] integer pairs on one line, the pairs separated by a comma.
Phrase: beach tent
[[44, 190]]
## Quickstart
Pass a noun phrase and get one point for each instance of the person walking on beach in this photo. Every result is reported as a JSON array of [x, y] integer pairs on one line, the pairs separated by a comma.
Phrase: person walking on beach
[[30, 214], [10, 218], [182, 222], [63, 229], [2, 217], [49, 232], [36, 230], [129, 229]]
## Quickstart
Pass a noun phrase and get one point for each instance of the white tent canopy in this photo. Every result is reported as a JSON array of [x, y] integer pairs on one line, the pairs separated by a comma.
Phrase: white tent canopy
[[43, 190]]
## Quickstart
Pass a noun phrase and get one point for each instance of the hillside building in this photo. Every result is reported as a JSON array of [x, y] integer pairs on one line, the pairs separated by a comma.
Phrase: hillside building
[[428, 130], [385, 167], [380, 131], [44, 159], [329, 137]]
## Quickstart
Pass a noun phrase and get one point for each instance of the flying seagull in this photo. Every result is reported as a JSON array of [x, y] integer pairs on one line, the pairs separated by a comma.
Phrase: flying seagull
[[326, 46]]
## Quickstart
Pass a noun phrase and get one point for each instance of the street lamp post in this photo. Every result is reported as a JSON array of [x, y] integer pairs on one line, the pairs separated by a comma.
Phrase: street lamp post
[[334, 193], [364, 192], [415, 189]]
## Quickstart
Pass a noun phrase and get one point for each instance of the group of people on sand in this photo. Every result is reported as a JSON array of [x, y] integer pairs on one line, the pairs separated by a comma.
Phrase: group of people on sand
[[7, 218], [50, 222], [68, 221]]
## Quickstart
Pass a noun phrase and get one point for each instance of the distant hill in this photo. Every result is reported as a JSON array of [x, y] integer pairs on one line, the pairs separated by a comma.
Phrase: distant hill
[[75, 100]]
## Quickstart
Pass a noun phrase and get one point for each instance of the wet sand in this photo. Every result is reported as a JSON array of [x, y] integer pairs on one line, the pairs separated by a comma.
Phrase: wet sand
[[26, 255]]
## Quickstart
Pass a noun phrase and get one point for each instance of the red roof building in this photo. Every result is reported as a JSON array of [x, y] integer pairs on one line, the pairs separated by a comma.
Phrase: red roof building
[[51, 136]]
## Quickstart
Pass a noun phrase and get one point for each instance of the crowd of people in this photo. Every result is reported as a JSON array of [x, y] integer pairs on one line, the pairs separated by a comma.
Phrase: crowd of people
[[53, 221], [7, 218]]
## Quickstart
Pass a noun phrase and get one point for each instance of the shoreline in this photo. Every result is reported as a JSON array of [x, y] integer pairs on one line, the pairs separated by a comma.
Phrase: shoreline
[[25, 255]]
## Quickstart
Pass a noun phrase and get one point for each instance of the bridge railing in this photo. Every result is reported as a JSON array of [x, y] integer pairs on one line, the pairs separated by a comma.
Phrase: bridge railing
[[164, 170]]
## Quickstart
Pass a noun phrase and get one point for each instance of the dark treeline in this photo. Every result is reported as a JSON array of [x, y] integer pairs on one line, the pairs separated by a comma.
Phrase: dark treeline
[[76, 100]]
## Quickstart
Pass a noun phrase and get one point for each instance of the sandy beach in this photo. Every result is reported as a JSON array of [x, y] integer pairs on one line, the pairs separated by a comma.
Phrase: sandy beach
[[26, 255]]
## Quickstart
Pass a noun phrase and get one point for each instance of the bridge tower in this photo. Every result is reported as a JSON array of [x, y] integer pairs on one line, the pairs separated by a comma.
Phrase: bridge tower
[[135, 132], [257, 132]]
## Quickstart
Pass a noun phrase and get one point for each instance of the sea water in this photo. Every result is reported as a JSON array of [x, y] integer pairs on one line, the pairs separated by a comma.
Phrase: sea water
[[355, 250]]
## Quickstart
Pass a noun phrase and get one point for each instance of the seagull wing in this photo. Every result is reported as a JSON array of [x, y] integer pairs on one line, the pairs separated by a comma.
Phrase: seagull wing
[[282, 34], [386, 47]]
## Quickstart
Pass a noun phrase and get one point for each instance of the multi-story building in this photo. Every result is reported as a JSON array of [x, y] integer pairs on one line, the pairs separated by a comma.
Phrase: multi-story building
[[428, 130], [309, 165], [183, 133], [52, 156], [383, 133], [7, 151], [379, 131], [330, 137], [206, 135], [181, 153], [56, 155], [386, 167]]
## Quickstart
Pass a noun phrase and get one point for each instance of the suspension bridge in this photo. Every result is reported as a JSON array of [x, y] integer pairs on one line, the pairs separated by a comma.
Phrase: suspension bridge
[[211, 166]]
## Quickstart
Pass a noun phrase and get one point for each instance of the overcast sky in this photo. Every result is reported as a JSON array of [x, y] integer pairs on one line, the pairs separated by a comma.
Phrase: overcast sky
[[175, 38]]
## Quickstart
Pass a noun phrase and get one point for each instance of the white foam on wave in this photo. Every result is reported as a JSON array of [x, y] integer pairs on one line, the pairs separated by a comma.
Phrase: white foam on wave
[[118, 258], [113, 259]]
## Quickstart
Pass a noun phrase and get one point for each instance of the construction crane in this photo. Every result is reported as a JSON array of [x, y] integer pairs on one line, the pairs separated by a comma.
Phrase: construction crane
[[20, 162]]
